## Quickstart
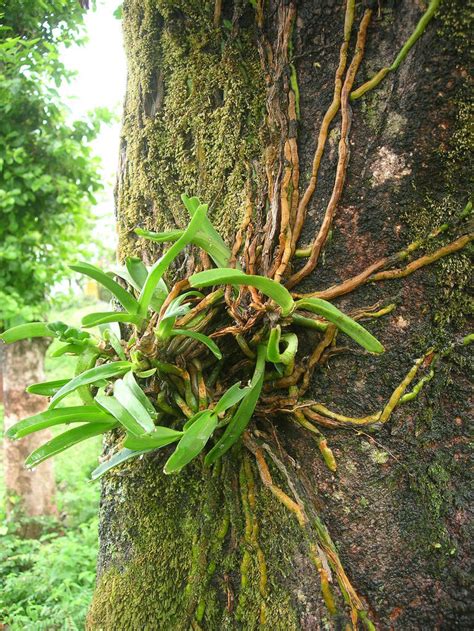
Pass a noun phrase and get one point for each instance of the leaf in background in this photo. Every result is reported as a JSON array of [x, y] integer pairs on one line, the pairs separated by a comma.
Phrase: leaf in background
[[123, 416], [160, 267], [122, 456], [49, 418], [110, 337], [232, 396], [65, 440], [161, 437], [204, 339], [227, 276], [192, 443], [98, 373], [26, 331], [343, 322], [174, 310], [123, 296], [47, 388], [103, 317], [244, 412]]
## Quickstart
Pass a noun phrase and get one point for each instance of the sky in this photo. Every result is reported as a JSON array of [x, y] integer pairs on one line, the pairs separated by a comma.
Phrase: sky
[[100, 82]]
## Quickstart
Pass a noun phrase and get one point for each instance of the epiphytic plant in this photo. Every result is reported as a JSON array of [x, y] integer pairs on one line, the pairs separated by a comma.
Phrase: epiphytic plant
[[191, 367]]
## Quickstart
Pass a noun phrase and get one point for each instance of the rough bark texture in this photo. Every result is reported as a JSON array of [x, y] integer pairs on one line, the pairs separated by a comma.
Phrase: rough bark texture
[[175, 552], [29, 493]]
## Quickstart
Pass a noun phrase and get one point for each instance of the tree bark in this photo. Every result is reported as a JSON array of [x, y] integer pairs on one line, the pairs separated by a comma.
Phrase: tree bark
[[206, 113], [29, 493]]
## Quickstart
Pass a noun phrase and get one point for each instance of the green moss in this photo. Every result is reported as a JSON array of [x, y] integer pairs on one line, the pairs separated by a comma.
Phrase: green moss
[[194, 108], [165, 572]]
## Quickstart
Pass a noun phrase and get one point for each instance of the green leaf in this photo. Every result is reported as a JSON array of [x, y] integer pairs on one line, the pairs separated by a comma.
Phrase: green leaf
[[49, 418], [207, 238], [244, 413], [65, 440], [123, 416], [94, 319], [129, 380], [160, 437], [134, 406], [204, 339], [47, 388], [26, 331], [349, 326], [123, 296], [232, 396], [98, 373], [72, 349], [136, 273], [110, 337], [273, 348], [160, 267], [160, 237], [175, 309], [227, 276], [192, 443], [117, 459]]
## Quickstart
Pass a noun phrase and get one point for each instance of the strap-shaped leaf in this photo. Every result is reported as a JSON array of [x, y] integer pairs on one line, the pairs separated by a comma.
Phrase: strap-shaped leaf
[[123, 296], [242, 417], [135, 274], [349, 326], [192, 443], [65, 440], [110, 337], [129, 380], [49, 418], [98, 373], [232, 396], [175, 309], [227, 276], [120, 457], [103, 317], [204, 339], [160, 267], [207, 238], [113, 406], [71, 349], [26, 331], [160, 437], [47, 388]]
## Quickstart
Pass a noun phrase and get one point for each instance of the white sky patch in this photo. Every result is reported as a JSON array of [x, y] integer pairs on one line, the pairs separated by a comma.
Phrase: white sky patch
[[100, 82]]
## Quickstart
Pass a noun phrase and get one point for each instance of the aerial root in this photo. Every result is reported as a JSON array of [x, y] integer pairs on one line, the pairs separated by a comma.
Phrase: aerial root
[[343, 159]]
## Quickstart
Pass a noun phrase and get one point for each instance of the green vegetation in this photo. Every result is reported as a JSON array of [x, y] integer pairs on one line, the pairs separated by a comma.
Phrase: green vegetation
[[47, 583], [48, 176]]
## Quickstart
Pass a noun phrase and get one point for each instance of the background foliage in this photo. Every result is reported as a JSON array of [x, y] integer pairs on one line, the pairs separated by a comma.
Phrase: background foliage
[[48, 583], [48, 175]]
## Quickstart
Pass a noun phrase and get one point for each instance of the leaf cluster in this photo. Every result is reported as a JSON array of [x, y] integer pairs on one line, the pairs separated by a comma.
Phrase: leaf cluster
[[161, 386]]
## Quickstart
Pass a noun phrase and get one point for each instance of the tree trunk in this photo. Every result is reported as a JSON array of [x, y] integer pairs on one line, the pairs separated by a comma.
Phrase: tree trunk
[[214, 92], [29, 493]]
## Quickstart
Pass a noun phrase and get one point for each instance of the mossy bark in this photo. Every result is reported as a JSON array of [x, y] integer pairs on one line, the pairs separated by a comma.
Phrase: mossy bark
[[217, 550]]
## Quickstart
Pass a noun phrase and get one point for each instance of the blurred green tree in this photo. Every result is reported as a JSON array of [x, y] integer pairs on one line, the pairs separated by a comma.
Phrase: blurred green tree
[[48, 177]]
